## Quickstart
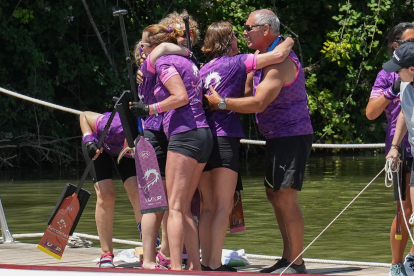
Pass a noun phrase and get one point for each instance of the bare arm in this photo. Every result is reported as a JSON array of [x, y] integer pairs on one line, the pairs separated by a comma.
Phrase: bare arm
[[166, 48], [275, 76], [277, 55], [248, 88], [400, 131], [178, 98], [87, 121], [376, 106]]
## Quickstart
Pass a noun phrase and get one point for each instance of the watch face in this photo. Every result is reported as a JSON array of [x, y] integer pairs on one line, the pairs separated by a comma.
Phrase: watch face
[[222, 104]]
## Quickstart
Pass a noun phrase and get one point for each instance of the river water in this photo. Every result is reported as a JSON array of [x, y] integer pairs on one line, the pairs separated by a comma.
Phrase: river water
[[331, 182]]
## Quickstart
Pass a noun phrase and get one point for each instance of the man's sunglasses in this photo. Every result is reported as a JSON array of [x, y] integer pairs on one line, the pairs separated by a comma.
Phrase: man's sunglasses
[[404, 41], [248, 28]]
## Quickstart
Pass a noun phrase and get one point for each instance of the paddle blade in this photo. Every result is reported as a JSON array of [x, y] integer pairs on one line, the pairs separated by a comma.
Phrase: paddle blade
[[56, 236], [151, 190], [236, 216]]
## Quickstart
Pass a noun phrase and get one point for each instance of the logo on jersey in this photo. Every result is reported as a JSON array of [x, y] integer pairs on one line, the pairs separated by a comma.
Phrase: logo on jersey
[[195, 70], [213, 79]]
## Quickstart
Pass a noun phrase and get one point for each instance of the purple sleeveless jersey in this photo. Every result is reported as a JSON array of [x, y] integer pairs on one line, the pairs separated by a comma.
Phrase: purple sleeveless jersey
[[115, 138], [383, 82], [191, 115], [228, 77], [146, 94], [288, 114]]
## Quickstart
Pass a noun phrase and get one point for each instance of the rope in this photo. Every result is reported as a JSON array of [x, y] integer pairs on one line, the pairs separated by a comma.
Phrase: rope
[[320, 234], [391, 168], [326, 146], [33, 100], [243, 141]]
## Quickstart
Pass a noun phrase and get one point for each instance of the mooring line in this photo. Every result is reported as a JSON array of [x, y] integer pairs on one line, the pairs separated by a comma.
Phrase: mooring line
[[352, 201]]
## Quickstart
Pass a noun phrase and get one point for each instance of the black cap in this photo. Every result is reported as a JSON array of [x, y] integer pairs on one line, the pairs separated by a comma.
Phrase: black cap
[[403, 56]]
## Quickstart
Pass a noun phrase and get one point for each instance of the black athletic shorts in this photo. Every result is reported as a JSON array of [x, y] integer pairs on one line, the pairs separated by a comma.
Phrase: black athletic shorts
[[285, 161], [225, 154], [196, 143], [102, 166], [159, 142]]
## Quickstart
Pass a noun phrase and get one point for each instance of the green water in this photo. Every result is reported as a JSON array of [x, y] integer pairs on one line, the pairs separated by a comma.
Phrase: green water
[[361, 233]]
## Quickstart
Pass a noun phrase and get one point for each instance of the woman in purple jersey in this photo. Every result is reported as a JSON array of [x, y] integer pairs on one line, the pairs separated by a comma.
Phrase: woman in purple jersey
[[178, 92], [384, 98], [92, 125], [154, 133], [226, 72]]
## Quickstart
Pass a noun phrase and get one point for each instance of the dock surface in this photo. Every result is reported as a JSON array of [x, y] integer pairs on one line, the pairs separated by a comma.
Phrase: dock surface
[[28, 255]]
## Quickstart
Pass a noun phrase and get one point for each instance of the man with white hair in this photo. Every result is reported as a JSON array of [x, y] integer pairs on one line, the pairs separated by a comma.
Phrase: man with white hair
[[279, 100]]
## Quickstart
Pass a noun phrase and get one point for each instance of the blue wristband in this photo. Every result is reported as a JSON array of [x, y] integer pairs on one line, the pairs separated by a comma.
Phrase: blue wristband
[[155, 110]]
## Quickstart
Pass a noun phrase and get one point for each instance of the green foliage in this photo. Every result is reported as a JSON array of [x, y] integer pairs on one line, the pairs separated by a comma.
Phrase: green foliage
[[49, 50]]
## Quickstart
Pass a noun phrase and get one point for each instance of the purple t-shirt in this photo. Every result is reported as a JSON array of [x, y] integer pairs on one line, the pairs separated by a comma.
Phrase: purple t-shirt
[[191, 115], [383, 82], [288, 114], [114, 141], [227, 75], [146, 93]]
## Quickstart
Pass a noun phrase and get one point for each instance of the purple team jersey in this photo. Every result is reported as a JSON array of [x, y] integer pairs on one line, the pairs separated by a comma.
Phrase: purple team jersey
[[228, 76], [191, 115], [383, 82], [115, 138], [288, 114], [146, 93]]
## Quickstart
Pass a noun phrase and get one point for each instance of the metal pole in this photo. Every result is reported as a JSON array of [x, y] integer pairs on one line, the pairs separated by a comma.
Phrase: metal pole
[[7, 237]]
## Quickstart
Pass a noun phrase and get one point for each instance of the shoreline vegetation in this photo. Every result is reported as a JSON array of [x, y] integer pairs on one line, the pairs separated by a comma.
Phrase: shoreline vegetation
[[50, 51]]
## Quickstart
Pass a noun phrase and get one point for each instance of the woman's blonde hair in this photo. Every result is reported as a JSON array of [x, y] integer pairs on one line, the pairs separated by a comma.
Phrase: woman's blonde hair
[[217, 40], [175, 18], [157, 34]]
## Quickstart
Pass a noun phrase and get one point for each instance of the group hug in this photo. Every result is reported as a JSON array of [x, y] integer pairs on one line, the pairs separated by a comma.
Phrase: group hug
[[191, 117]]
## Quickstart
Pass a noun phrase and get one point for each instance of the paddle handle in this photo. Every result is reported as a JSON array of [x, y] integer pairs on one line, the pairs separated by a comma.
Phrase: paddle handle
[[187, 31]]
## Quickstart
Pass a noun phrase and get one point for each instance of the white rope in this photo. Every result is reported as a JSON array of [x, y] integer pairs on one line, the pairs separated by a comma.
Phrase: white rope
[[391, 168], [33, 100], [243, 141], [86, 236], [320, 234], [326, 146]]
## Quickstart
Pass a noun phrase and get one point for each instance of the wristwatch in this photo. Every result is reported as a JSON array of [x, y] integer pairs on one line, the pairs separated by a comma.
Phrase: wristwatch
[[222, 104]]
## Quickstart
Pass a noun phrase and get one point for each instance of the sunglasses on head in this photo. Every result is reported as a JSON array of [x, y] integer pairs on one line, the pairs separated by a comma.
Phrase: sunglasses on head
[[404, 41], [236, 34], [248, 28]]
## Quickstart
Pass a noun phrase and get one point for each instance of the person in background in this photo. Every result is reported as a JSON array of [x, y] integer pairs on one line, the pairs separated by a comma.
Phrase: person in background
[[280, 102], [92, 125], [385, 97], [227, 72]]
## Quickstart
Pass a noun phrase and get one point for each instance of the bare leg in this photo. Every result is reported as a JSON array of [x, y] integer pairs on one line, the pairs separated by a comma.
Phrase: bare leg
[[288, 204], [206, 216], [150, 227], [165, 248], [180, 170], [132, 190], [224, 185], [280, 221], [104, 213]]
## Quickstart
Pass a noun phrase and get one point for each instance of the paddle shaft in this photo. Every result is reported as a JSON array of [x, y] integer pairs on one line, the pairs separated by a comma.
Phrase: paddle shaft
[[132, 82], [401, 184], [187, 31]]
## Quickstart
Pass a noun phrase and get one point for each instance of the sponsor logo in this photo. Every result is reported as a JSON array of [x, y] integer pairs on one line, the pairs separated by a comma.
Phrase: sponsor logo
[[144, 154], [395, 56], [58, 232], [147, 176], [154, 198], [67, 209], [52, 246], [283, 168], [61, 224]]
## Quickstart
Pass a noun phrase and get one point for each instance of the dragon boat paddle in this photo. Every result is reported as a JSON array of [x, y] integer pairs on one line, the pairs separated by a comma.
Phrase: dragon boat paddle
[[151, 189], [64, 217]]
